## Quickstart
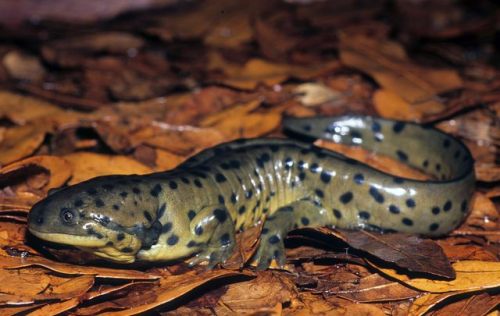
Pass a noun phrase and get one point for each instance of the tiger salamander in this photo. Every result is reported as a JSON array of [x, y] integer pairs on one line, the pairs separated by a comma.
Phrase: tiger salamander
[[195, 209]]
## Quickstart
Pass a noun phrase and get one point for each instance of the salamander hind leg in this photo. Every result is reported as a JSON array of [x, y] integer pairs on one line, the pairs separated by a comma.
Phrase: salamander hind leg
[[213, 231], [298, 214]]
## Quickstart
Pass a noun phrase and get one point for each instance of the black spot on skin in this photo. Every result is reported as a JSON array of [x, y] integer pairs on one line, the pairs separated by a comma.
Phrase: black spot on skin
[[457, 154], [307, 127], [376, 127], [273, 193], [407, 221], [120, 236], [197, 183], [221, 199], [394, 209], [356, 134], [300, 165], [255, 172], [248, 194], [435, 210], [446, 143], [92, 232], [425, 163], [346, 197], [185, 180], [433, 227], [286, 209], [398, 180], [127, 250], [410, 203], [224, 165], [91, 191], [136, 190], [337, 213], [304, 221], [220, 215], [172, 185], [234, 198], [172, 240], [78, 203], [402, 155], [99, 203], [166, 228], [259, 187], [235, 164], [447, 206], [123, 194], [398, 127], [191, 214], [274, 239], [302, 176], [325, 177], [116, 207], [242, 210], [438, 167], [364, 215], [463, 206], [148, 216], [265, 210], [219, 177], [225, 239], [377, 196], [198, 230], [264, 231], [314, 168], [108, 186], [191, 244], [161, 210], [359, 178], [274, 148], [155, 191], [288, 163], [319, 193]]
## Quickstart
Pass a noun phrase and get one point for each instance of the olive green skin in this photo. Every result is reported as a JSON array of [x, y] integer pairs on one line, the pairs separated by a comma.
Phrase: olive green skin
[[196, 208]]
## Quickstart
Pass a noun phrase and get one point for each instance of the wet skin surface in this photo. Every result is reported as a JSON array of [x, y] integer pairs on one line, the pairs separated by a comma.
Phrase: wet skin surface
[[197, 208]]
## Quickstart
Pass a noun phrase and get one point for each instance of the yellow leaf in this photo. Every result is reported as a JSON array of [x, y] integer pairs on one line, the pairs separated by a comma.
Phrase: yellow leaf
[[471, 275]]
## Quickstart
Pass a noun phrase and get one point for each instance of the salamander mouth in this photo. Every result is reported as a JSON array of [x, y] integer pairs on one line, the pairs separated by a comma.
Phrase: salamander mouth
[[72, 240]]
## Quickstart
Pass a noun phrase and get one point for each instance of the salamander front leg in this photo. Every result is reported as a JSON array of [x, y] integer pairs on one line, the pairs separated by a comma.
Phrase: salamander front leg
[[298, 214], [213, 229]]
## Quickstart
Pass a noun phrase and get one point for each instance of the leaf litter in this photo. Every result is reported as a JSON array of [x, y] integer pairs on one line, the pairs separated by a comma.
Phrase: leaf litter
[[143, 93]]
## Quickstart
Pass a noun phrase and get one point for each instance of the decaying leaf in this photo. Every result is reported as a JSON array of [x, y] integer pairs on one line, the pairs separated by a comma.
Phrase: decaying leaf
[[89, 165]]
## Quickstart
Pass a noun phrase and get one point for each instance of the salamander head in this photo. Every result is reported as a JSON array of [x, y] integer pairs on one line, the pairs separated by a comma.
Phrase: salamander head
[[107, 216]]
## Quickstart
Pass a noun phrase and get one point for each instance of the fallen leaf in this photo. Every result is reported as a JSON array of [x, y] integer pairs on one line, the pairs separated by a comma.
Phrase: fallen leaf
[[313, 94], [20, 141], [70, 269], [479, 304], [471, 275], [89, 165], [22, 66], [409, 252], [374, 288]]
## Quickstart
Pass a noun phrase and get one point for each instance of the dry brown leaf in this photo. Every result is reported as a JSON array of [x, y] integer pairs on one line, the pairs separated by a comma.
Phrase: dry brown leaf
[[20, 141], [171, 288], [259, 71], [23, 282], [390, 105], [70, 269], [179, 139], [22, 66], [471, 275], [56, 308], [88, 165], [388, 63], [374, 288], [474, 305], [58, 168]]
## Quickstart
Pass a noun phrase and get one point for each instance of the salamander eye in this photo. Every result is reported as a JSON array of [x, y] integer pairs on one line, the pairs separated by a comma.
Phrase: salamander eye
[[68, 216]]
